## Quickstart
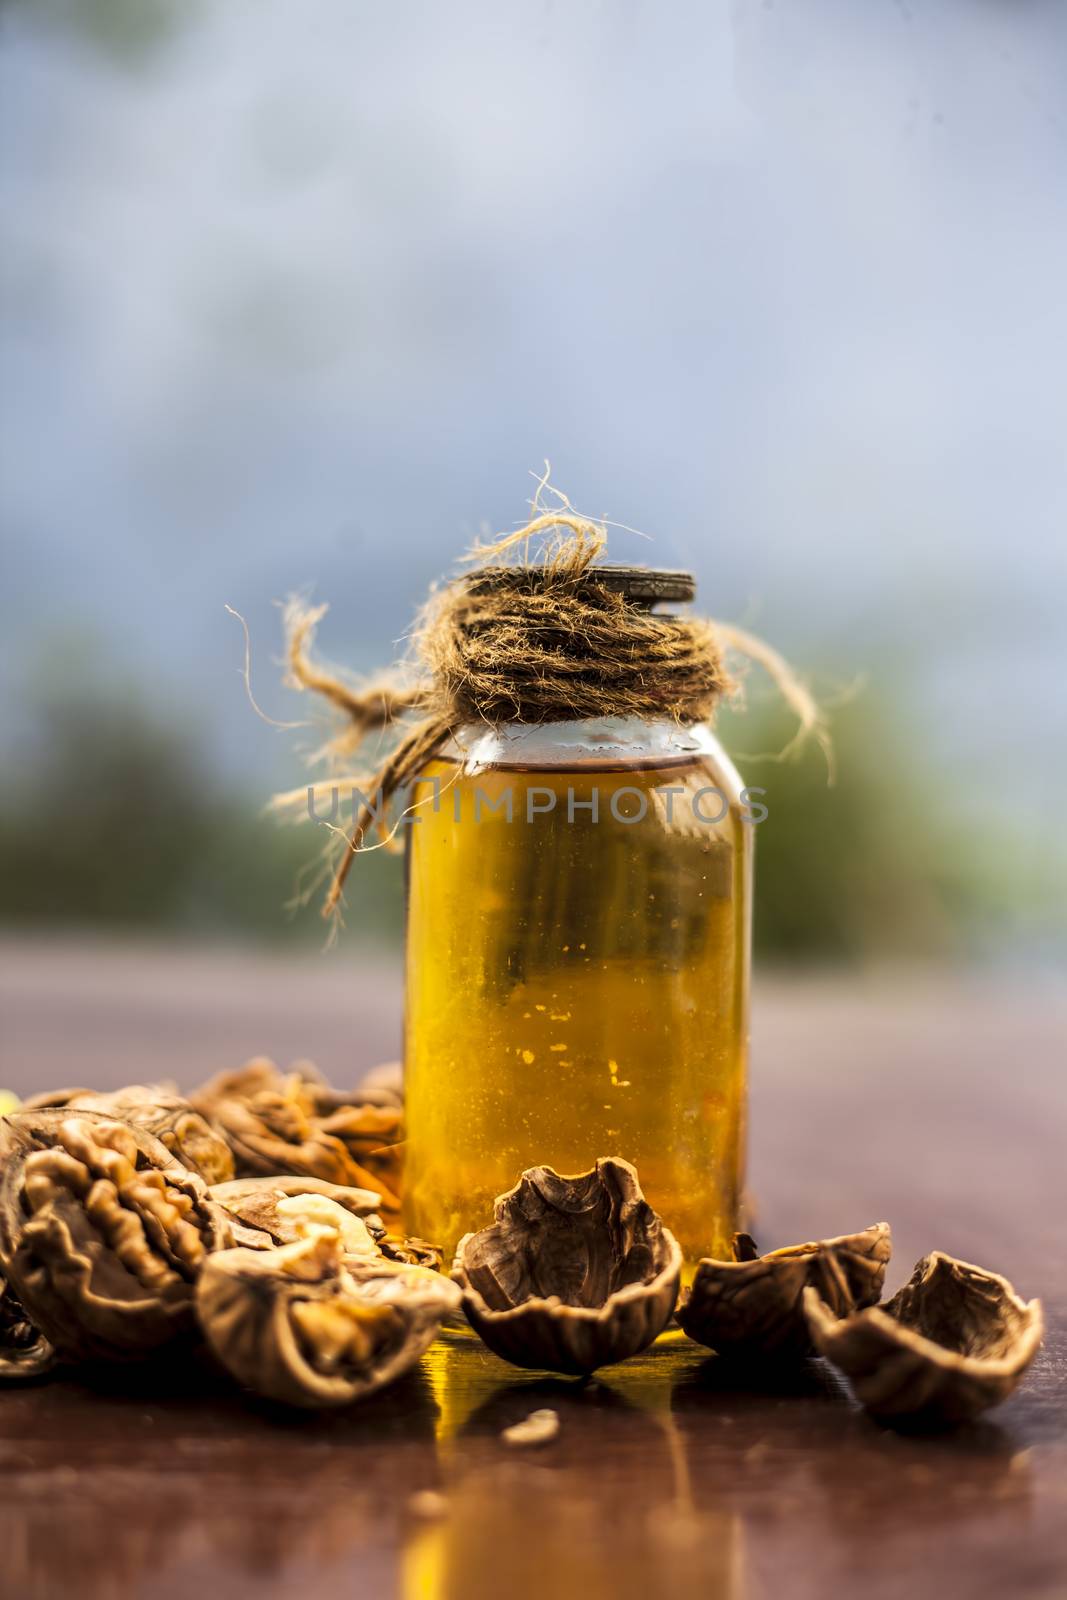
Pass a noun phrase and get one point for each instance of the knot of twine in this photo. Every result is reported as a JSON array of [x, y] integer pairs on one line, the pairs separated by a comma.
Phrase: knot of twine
[[530, 643]]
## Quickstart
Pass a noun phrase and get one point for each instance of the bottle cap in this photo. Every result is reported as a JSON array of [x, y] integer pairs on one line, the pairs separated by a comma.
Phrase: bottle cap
[[644, 586]]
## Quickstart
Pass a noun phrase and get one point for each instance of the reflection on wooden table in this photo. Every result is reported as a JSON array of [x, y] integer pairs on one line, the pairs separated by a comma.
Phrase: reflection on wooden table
[[668, 1475], [665, 1476]]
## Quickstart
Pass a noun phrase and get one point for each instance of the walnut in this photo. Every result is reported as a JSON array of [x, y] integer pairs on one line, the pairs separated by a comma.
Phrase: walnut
[[188, 1136], [953, 1342], [305, 1325], [574, 1272], [294, 1123], [102, 1232], [752, 1308], [259, 1218], [24, 1352]]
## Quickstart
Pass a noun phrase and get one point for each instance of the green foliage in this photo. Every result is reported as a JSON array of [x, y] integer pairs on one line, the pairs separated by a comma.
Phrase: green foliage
[[109, 817], [127, 31], [881, 862]]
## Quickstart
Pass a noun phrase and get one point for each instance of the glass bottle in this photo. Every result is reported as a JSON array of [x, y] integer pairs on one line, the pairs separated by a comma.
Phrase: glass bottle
[[578, 937]]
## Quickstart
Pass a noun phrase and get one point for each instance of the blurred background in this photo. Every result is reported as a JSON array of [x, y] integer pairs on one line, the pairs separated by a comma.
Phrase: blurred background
[[295, 298]]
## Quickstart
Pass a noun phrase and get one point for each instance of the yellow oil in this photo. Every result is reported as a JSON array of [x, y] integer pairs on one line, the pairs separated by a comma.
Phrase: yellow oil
[[576, 987]]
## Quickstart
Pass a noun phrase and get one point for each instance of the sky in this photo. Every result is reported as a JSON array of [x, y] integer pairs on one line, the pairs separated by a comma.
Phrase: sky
[[298, 297]]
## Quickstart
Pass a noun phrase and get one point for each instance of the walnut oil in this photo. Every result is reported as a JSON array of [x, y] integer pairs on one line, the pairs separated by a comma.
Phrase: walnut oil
[[577, 972]]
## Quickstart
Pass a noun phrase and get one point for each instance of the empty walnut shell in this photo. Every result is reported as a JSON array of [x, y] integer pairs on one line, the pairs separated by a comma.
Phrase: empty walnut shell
[[294, 1123], [188, 1136], [953, 1342], [573, 1274], [24, 1350], [102, 1232], [298, 1325], [752, 1307]]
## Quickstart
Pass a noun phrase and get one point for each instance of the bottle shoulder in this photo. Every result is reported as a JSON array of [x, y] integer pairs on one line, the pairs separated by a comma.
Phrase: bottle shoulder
[[574, 746]]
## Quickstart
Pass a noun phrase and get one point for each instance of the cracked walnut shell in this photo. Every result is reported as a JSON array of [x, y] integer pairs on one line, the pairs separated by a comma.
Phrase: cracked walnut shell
[[294, 1123], [953, 1342], [574, 1273], [102, 1232], [305, 1325], [752, 1307]]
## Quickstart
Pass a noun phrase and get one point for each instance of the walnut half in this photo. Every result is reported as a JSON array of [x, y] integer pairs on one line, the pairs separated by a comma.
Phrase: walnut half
[[102, 1232], [751, 1308], [953, 1342], [306, 1325], [574, 1273]]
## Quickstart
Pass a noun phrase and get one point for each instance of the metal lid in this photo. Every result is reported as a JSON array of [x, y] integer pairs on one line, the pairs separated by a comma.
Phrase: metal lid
[[645, 586]]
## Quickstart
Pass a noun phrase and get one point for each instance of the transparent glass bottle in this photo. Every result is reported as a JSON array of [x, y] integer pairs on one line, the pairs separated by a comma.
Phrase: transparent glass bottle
[[578, 936]]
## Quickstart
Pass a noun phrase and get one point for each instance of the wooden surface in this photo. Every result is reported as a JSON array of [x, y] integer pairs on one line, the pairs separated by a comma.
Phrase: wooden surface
[[941, 1107]]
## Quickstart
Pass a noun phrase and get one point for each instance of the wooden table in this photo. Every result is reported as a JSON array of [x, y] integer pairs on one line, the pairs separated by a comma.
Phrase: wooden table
[[942, 1108]]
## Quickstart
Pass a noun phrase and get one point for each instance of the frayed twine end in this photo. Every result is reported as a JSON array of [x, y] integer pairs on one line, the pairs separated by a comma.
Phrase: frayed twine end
[[494, 654]]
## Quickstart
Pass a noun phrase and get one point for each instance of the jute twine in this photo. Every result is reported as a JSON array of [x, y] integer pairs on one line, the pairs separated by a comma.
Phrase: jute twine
[[541, 642]]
